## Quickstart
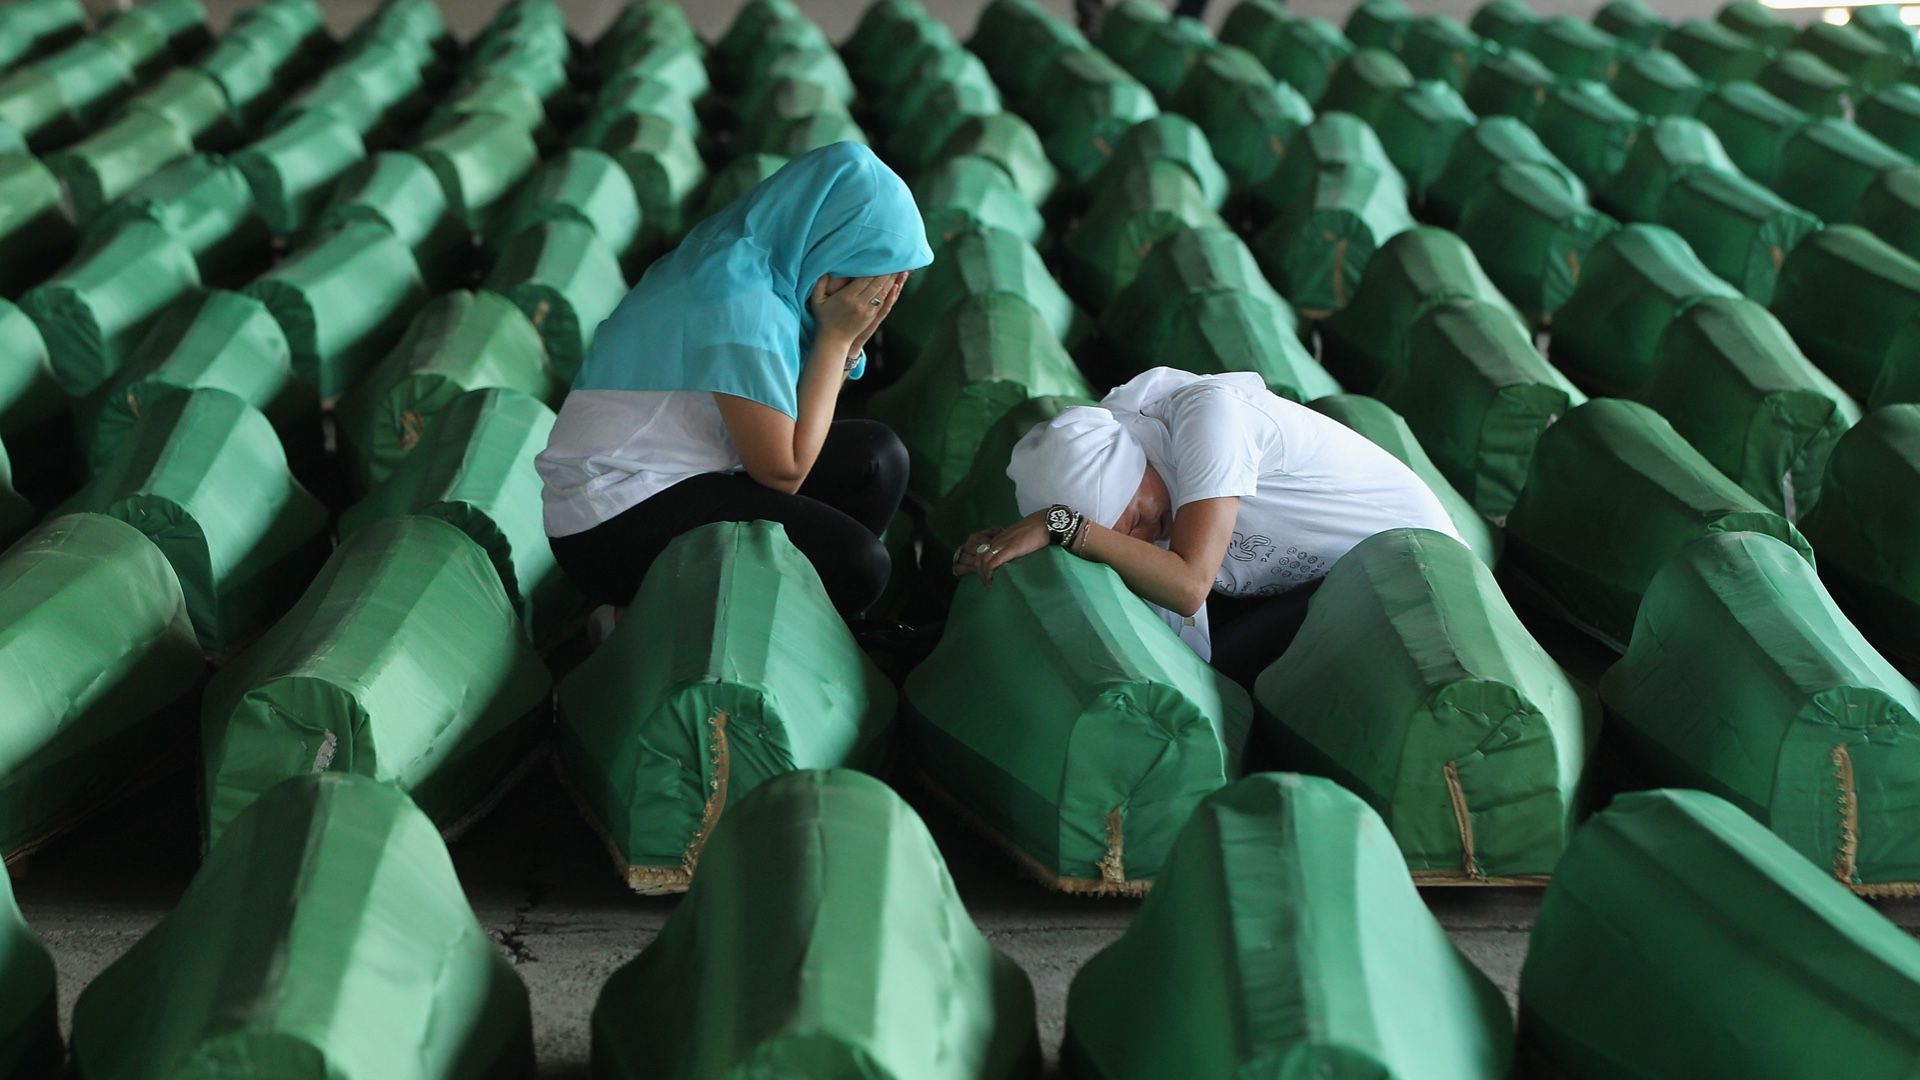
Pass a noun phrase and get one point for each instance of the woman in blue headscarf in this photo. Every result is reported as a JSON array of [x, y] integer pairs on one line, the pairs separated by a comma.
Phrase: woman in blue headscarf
[[708, 395]]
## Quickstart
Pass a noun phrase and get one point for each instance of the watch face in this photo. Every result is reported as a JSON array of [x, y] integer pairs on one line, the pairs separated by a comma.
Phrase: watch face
[[1058, 519]]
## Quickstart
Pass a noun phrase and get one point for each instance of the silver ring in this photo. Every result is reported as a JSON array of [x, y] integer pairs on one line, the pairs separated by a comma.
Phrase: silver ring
[[984, 549], [874, 300]]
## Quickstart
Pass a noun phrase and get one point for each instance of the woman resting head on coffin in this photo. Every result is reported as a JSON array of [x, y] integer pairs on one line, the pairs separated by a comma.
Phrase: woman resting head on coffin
[[709, 394], [1215, 499]]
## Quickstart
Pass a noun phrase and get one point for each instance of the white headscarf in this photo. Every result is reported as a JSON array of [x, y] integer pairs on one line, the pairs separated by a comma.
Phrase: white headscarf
[[1085, 458]]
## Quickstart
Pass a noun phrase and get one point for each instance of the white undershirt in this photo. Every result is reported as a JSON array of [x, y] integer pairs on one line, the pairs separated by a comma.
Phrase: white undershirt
[[613, 449]]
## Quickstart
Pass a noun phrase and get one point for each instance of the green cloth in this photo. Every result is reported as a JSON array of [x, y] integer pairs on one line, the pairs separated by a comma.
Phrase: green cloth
[[474, 468], [887, 32], [1632, 22], [733, 180], [1828, 165], [1378, 24], [36, 232], [1507, 23], [32, 105], [29, 395], [979, 260], [927, 114], [969, 192], [1612, 493], [503, 93], [1818, 749], [1479, 153], [1249, 118], [461, 341], [1017, 40], [987, 353], [1807, 83], [1258, 26], [1414, 685], [1573, 49], [98, 667], [1890, 209], [107, 164], [30, 1032], [1658, 83], [642, 95], [1171, 137], [1412, 273], [293, 170], [566, 282], [1010, 143], [1477, 394], [1734, 385], [1419, 126], [1285, 939], [96, 309], [1864, 524], [666, 170], [1363, 84], [404, 662], [207, 204], [1635, 283], [1589, 128], [657, 58], [1669, 149], [730, 668], [1131, 212], [33, 28], [343, 300], [17, 513], [1886, 24], [1673, 913], [1069, 721], [1509, 82], [92, 75], [399, 191], [984, 496], [1533, 233], [1346, 200], [1754, 20], [1753, 125], [1154, 48], [1866, 61], [802, 134], [830, 942], [480, 157], [1892, 115], [1848, 300], [1388, 430], [327, 937], [580, 185], [1441, 49], [1082, 106], [1740, 230], [202, 474], [1306, 54]]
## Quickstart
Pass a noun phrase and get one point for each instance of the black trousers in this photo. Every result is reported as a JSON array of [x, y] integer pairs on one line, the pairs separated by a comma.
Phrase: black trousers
[[1250, 633], [835, 520]]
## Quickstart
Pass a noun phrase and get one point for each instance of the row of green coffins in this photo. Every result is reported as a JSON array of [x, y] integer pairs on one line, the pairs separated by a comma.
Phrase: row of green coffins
[[1271, 917]]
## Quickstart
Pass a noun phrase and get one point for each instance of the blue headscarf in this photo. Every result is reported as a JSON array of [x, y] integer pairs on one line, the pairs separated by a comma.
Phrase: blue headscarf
[[727, 311]]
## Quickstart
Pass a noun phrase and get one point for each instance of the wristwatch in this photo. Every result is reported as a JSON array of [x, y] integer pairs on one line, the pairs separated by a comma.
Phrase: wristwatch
[[1062, 523]]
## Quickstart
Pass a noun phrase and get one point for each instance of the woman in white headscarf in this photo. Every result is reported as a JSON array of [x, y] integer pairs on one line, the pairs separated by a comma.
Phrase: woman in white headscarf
[[1206, 486]]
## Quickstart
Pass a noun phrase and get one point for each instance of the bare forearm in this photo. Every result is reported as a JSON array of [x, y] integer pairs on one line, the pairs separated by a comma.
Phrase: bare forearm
[[1154, 573], [820, 383]]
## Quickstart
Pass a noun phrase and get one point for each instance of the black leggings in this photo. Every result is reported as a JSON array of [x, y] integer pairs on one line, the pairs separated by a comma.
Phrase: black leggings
[[1250, 633], [835, 520]]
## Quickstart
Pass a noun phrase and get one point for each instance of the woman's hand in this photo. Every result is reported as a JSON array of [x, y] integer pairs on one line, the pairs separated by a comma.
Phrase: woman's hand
[[990, 549], [880, 313], [844, 314]]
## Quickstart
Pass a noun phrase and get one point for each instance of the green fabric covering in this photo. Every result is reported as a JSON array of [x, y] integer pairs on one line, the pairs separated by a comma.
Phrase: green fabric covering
[[1864, 525], [474, 468], [342, 300], [30, 1034], [1612, 493], [1131, 212], [730, 668], [1890, 209], [107, 164], [400, 191], [1441, 49], [1892, 115], [365, 94], [92, 76], [1171, 137], [1827, 165], [1674, 907], [98, 666], [676, 64], [1418, 127], [1363, 84], [1576, 50], [984, 496], [1069, 721], [404, 662], [36, 27], [786, 101], [1478, 153], [1386, 429], [1899, 381], [17, 513], [566, 282], [327, 937], [1477, 394], [1885, 24], [1082, 107], [35, 231], [1256, 26], [1411, 664], [214, 341], [987, 353], [1253, 940], [1734, 385], [813, 132], [206, 202], [1154, 48], [1350, 200], [1249, 118], [1201, 304], [1684, 703], [1862, 58], [1306, 55], [1807, 83], [1658, 83], [1533, 234], [203, 475], [138, 36], [459, 342], [1753, 125], [969, 192], [1509, 82], [293, 170], [814, 952], [1378, 24], [1017, 39], [815, 63], [1589, 129], [1848, 300], [646, 96], [1012, 144], [1669, 148], [31, 104], [929, 113], [1412, 273], [479, 159], [1631, 21], [29, 395], [1508, 23], [1752, 19], [95, 310], [496, 93], [735, 179], [976, 261], [887, 32], [245, 72], [1636, 282], [1740, 230], [666, 170]]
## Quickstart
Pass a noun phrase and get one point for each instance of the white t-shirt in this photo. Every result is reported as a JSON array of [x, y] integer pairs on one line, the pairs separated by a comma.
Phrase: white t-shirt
[[612, 449]]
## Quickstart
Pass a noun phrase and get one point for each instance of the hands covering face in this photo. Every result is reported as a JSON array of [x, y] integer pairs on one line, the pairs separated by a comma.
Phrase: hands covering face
[[851, 309]]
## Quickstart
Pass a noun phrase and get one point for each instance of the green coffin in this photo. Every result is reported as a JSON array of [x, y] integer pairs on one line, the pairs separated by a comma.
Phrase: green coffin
[[1753, 125], [1378, 24], [1249, 119], [1807, 83], [1171, 137], [29, 395], [1864, 524], [1418, 127], [399, 191], [1082, 106], [730, 668], [1589, 129], [1821, 751], [98, 665], [207, 204], [404, 662], [1673, 914], [1157, 50], [974, 262], [1718, 54], [1636, 282], [1658, 83], [95, 310], [36, 232], [479, 159], [17, 512], [1010, 143], [733, 180], [1439, 48], [107, 164], [1350, 202], [1130, 214], [1669, 149], [293, 170], [1828, 165], [1479, 153], [1510, 82], [1848, 299], [563, 278], [326, 938], [1285, 939], [1508, 23], [1364, 83], [1576, 50], [638, 95], [1017, 39], [1751, 18], [1067, 720], [1741, 231], [824, 938], [1893, 116], [1414, 685], [1388, 430], [1612, 493], [1306, 55], [970, 192], [342, 300], [1733, 384], [580, 185], [984, 496], [1890, 209]]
